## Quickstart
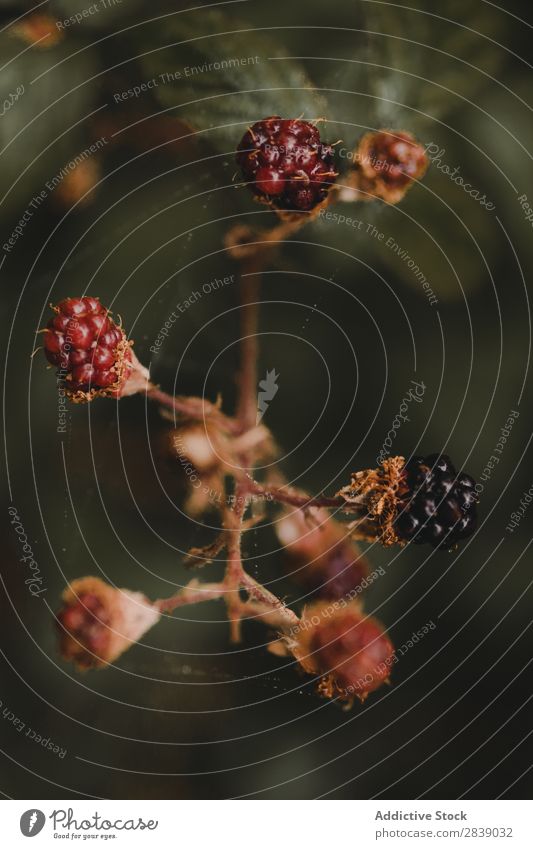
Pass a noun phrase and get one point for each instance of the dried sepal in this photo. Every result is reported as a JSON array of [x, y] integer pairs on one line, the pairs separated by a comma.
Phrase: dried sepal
[[376, 494]]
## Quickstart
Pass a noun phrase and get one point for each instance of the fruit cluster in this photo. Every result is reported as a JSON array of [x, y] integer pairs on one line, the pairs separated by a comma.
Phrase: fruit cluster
[[438, 505], [89, 349], [286, 164]]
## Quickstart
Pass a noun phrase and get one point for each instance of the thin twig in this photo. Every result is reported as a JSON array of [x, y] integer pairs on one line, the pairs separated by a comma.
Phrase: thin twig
[[285, 496], [193, 408], [193, 593]]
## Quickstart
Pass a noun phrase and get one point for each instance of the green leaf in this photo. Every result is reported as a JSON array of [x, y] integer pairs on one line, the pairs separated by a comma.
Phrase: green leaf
[[221, 75], [408, 67]]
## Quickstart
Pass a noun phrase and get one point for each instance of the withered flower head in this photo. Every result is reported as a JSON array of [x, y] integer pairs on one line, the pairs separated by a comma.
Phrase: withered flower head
[[351, 651], [321, 555], [98, 622]]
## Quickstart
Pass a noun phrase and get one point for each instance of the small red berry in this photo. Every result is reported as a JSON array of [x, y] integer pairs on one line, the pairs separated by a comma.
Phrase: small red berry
[[90, 350], [285, 163]]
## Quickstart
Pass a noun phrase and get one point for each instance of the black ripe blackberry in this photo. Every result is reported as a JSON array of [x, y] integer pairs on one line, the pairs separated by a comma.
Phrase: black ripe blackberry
[[285, 163], [437, 506]]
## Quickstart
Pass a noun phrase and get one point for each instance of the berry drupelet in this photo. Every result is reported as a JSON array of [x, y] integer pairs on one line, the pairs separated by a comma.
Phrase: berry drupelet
[[90, 350], [437, 505], [286, 164]]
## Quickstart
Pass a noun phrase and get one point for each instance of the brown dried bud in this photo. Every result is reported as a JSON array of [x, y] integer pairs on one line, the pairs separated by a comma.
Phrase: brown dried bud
[[350, 650], [203, 454], [321, 555], [388, 163], [97, 622]]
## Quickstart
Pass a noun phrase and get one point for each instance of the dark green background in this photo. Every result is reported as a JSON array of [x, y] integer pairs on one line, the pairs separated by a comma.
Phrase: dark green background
[[186, 715]]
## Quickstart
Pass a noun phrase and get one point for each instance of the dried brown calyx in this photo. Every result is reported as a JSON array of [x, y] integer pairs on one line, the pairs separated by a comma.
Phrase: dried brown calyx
[[376, 495]]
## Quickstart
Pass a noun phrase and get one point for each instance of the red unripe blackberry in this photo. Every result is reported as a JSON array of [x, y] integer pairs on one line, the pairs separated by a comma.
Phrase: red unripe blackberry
[[435, 504], [285, 163], [91, 352], [352, 650]]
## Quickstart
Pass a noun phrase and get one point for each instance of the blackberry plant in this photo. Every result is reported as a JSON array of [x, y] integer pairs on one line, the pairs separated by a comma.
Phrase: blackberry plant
[[419, 499]]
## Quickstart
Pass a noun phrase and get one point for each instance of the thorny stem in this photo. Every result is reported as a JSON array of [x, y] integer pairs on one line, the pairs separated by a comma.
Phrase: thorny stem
[[265, 597], [236, 577], [193, 408], [285, 496], [249, 287], [191, 594], [265, 605]]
